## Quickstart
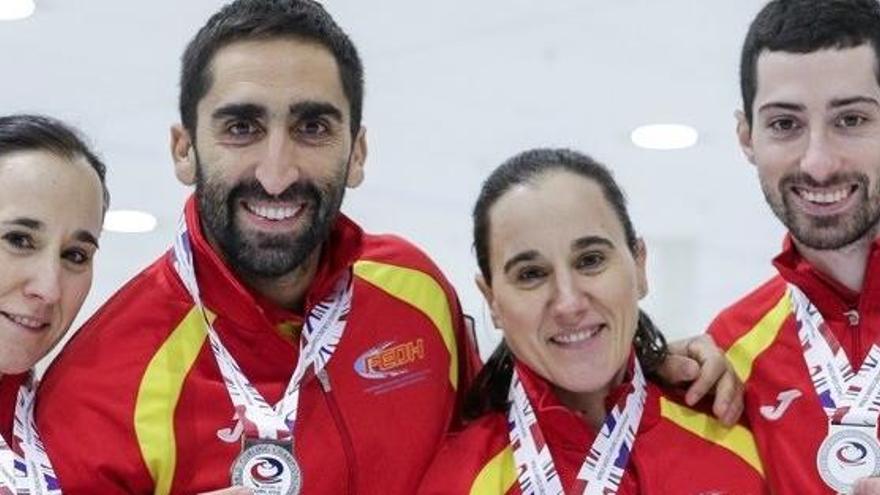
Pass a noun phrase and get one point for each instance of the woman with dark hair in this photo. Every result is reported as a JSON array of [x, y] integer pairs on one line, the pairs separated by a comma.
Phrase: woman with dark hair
[[567, 403], [52, 204]]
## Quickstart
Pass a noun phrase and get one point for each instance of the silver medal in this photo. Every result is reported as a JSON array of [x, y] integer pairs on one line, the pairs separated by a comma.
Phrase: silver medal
[[267, 469], [848, 454]]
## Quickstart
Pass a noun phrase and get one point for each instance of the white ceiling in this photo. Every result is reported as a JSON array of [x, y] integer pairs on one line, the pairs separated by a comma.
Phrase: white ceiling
[[453, 88]]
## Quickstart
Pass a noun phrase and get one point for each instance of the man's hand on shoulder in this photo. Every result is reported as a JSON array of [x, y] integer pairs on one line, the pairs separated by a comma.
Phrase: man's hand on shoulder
[[698, 361]]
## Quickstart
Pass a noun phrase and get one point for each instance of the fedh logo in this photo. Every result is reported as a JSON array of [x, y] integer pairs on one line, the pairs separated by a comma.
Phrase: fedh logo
[[389, 359]]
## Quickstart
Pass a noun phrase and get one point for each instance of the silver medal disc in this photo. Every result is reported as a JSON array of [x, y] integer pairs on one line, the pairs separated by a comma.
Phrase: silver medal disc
[[267, 469], [848, 454]]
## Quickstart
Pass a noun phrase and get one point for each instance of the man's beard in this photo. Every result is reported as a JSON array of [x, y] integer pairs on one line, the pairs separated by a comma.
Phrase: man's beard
[[261, 254], [825, 232]]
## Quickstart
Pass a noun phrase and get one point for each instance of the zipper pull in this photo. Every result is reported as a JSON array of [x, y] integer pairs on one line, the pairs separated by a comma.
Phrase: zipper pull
[[853, 317], [324, 378]]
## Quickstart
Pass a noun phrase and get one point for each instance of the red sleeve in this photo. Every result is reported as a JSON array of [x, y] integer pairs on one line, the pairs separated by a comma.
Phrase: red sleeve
[[78, 434], [720, 333], [85, 403], [395, 250], [737, 319]]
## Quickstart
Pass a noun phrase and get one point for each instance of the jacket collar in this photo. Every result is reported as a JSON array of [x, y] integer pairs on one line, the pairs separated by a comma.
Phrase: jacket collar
[[223, 292], [829, 295], [566, 429]]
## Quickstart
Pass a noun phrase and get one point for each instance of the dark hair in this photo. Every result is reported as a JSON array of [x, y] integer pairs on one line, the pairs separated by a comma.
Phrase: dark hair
[[24, 132], [527, 166], [261, 20], [805, 26], [490, 388]]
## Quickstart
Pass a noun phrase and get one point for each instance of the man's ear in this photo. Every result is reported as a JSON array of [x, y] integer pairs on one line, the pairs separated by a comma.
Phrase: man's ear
[[744, 136], [358, 158], [184, 155], [486, 290]]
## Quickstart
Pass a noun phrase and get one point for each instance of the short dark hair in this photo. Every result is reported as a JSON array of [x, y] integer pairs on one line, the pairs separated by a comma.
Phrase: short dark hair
[[805, 26], [490, 387], [24, 132], [261, 20]]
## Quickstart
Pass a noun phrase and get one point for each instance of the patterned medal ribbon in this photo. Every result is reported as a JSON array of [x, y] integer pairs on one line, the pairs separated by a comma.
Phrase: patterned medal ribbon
[[604, 464], [25, 468], [847, 397], [7, 468], [323, 329]]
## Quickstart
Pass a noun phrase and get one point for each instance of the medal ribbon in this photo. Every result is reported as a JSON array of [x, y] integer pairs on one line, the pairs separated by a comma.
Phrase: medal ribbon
[[25, 468], [7, 468], [323, 329], [847, 397], [604, 464]]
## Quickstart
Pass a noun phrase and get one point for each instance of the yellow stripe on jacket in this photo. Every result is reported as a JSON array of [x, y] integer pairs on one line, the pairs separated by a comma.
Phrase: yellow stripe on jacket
[[736, 439], [158, 395], [497, 476], [746, 349]]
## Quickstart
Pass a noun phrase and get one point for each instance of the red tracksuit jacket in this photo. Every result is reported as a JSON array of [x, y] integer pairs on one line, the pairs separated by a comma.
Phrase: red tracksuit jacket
[[677, 451], [135, 403], [758, 332]]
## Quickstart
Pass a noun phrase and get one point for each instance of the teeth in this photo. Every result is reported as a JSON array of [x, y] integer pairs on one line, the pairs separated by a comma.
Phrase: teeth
[[25, 321], [825, 197], [271, 213], [573, 337]]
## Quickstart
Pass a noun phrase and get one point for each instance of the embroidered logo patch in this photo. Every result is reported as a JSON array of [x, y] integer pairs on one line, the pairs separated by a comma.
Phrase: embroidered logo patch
[[391, 362], [388, 359], [783, 401]]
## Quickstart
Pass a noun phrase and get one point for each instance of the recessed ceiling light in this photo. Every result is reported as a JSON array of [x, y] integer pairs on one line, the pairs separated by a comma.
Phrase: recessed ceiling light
[[11, 10], [664, 136], [129, 221]]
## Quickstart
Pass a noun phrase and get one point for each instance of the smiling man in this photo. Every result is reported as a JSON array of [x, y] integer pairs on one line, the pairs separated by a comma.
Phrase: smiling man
[[276, 346], [807, 342]]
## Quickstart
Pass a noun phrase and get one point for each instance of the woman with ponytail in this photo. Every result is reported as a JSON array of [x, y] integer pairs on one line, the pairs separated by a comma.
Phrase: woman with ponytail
[[568, 402], [52, 203]]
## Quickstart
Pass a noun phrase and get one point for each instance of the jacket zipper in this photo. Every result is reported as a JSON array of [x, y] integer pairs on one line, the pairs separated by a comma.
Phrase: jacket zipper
[[342, 428]]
